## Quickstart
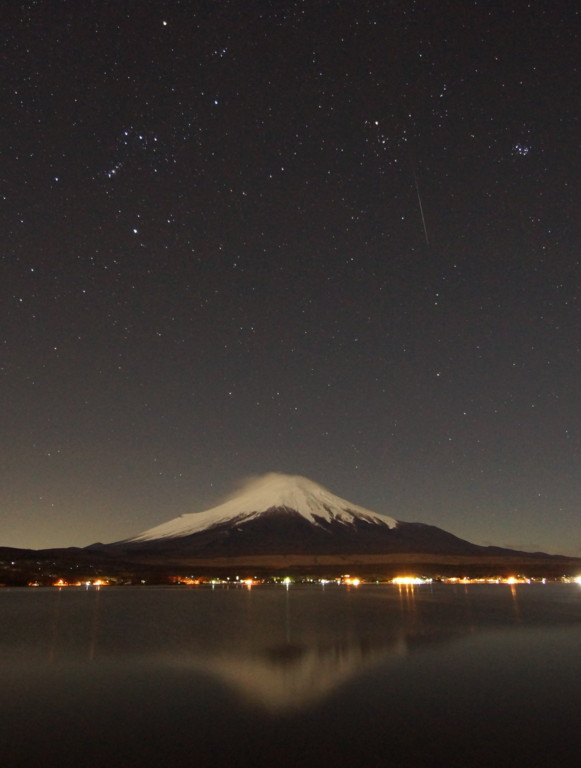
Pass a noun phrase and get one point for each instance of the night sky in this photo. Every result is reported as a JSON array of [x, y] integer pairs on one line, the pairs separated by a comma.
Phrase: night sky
[[334, 239]]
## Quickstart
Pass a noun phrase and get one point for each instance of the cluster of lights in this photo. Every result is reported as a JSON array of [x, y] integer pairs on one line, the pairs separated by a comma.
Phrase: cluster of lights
[[495, 580], [345, 579], [87, 584]]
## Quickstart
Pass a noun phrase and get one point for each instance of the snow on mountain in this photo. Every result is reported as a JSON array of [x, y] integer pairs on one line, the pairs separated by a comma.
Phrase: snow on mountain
[[271, 491]]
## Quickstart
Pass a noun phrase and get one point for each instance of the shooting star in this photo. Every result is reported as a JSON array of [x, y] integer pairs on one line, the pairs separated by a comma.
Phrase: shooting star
[[421, 209]]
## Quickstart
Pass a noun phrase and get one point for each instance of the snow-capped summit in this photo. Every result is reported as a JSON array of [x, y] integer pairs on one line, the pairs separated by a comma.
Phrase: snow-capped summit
[[273, 491]]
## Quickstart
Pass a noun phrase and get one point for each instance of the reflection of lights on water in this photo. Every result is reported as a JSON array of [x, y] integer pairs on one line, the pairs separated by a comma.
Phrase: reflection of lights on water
[[410, 580]]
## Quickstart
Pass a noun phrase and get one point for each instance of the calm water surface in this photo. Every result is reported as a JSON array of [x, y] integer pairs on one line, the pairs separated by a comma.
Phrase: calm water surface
[[436, 675]]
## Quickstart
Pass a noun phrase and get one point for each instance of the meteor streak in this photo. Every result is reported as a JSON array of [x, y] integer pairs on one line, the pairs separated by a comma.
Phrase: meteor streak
[[421, 209]]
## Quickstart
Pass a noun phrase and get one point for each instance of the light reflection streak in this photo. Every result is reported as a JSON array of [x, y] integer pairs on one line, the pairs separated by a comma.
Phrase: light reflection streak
[[515, 603], [93, 635], [54, 633]]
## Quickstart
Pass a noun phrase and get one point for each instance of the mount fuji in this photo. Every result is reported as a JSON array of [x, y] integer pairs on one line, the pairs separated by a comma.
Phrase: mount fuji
[[280, 514], [279, 524]]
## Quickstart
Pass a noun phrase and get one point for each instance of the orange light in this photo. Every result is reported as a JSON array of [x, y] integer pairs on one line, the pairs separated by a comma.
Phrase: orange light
[[516, 580]]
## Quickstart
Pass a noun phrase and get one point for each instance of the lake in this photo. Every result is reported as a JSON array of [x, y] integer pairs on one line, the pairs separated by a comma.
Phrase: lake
[[375, 675]]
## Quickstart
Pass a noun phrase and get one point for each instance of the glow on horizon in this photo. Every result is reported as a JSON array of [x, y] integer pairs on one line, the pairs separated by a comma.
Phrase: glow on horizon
[[410, 580]]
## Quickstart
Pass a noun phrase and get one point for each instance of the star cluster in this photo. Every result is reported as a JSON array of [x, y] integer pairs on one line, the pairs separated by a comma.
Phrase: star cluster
[[332, 239]]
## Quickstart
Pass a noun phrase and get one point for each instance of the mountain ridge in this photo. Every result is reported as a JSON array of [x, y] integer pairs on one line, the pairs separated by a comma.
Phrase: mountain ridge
[[278, 515]]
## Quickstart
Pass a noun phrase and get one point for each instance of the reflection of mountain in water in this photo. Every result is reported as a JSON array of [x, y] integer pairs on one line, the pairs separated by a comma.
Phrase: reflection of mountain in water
[[292, 676]]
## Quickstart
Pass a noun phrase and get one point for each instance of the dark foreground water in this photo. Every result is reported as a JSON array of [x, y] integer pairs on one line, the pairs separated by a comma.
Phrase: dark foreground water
[[436, 675]]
